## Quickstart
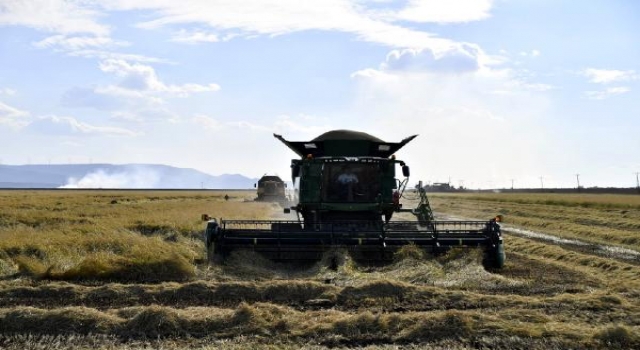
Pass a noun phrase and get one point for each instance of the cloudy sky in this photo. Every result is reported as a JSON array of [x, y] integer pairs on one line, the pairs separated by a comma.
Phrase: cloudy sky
[[496, 89]]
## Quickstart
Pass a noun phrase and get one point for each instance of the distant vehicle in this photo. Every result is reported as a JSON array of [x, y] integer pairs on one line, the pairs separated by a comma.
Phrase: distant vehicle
[[271, 188], [440, 187]]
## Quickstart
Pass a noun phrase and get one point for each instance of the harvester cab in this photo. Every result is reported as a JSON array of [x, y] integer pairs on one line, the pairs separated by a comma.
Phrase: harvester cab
[[348, 193], [346, 176]]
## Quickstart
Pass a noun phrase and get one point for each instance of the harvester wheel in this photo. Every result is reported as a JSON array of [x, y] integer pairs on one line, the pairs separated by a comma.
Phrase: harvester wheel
[[495, 257], [211, 234], [212, 256]]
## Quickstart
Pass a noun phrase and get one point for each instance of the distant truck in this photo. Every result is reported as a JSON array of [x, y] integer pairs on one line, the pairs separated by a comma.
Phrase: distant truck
[[440, 187], [271, 188]]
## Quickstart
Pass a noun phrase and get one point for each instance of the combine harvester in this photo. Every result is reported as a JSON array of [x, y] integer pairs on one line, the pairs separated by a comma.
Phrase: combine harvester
[[271, 188], [348, 193]]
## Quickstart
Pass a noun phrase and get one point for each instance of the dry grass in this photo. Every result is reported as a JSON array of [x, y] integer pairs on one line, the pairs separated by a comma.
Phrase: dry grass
[[598, 219], [601, 201], [282, 323], [104, 342], [120, 269], [108, 235]]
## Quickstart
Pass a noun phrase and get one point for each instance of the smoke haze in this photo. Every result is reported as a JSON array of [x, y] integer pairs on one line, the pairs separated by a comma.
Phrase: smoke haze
[[134, 178]]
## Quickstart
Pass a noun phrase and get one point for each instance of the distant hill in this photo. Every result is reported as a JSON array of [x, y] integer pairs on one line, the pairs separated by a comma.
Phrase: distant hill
[[116, 176]]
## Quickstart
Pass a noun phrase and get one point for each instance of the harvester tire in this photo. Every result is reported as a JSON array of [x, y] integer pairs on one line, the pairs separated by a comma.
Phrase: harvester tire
[[212, 256], [211, 236], [495, 257]]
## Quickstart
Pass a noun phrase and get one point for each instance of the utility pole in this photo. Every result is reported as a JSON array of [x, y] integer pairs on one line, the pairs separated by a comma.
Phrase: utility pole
[[578, 180], [512, 185], [637, 182], [541, 183]]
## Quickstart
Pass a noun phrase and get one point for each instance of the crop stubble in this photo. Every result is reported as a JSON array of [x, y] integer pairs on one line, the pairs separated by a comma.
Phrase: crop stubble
[[115, 269]]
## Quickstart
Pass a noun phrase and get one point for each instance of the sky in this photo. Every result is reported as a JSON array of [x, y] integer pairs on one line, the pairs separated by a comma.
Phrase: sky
[[499, 92]]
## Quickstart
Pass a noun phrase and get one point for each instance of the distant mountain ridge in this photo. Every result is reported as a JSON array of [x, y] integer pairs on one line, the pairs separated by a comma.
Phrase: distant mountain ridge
[[116, 176]]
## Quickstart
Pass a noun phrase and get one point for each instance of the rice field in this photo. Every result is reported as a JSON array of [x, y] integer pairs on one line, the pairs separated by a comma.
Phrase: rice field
[[126, 270], [593, 218]]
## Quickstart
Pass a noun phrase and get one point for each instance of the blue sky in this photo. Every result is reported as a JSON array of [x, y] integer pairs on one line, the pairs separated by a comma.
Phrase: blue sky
[[496, 89]]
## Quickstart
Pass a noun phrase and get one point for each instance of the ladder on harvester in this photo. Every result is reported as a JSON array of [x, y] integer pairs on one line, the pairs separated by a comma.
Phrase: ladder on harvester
[[423, 211]]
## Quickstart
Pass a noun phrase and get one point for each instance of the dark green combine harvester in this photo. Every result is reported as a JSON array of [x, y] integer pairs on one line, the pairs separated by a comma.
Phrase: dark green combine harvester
[[271, 188], [348, 193]]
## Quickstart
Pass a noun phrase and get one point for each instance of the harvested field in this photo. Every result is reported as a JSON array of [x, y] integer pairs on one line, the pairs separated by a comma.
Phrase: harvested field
[[125, 270]]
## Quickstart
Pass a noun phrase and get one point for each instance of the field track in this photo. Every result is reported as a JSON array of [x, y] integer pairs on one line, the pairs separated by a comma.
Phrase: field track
[[609, 251], [89, 286]]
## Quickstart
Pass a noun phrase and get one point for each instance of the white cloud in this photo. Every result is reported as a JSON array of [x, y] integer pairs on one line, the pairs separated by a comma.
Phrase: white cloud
[[522, 80], [451, 11], [243, 18], [458, 58], [143, 114], [142, 78], [532, 53], [300, 124], [137, 95], [462, 122], [52, 124], [78, 33], [607, 76], [77, 43], [59, 16], [70, 126], [370, 73], [516, 84], [126, 116], [7, 111], [608, 92], [109, 55], [248, 126], [12, 116], [7, 91], [108, 98], [195, 37], [277, 17], [221, 138], [207, 122], [123, 96]]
